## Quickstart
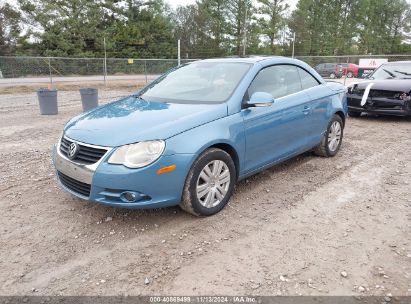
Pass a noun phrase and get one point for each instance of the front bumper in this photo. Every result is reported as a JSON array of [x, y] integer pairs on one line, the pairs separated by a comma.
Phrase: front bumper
[[377, 105], [107, 183]]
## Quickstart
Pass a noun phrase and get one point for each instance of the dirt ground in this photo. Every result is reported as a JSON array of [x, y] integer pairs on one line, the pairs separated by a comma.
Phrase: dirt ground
[[311, 226]]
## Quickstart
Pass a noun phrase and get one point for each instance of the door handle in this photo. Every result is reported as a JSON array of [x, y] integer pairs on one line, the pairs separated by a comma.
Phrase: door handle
[[306, 110]]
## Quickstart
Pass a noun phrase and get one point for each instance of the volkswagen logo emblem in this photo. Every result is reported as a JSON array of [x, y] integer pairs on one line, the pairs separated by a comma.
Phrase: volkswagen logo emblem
[[72, 150]]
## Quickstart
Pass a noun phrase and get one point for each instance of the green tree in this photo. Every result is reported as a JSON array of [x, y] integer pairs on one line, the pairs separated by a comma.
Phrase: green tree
[[338, 27], [240, 15], [215, 12], [77, 27], [144, 30], [203, 29], [383, 25], [273, 20], [66, 28], [9, 29]]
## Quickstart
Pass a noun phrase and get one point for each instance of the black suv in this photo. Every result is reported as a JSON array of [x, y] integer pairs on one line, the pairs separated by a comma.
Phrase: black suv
[[330, 70]]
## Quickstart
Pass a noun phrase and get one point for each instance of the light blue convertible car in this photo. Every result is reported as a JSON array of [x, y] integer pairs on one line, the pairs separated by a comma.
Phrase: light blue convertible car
[[189, 136]]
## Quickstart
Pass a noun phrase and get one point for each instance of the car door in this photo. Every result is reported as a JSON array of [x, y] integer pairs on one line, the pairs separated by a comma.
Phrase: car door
[[278, 131], [318, 104]]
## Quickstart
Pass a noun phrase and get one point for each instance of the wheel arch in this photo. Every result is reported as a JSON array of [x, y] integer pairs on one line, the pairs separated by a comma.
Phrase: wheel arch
[[231, 151], [342, 116]]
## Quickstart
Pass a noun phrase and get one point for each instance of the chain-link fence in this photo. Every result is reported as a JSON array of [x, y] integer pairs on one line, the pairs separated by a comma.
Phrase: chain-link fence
[[15, 70], [354, 66], [20, 70]]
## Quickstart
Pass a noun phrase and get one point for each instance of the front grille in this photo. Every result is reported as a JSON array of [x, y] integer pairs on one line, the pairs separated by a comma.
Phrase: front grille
[[385, 94], [86, 155], [74, 185], [354, 101], [378, 93]]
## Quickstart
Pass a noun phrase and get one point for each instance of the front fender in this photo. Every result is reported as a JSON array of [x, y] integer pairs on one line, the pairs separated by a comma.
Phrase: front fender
[[338, 104], [227, 130]]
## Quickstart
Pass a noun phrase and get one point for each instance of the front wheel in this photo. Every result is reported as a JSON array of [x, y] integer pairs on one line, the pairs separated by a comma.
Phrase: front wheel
[[332, 139], [333, 76], [209, 184], [350, 75]]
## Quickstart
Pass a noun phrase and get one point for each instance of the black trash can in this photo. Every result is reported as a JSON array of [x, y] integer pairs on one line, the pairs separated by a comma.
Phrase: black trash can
[[89, 98], [47, 101]]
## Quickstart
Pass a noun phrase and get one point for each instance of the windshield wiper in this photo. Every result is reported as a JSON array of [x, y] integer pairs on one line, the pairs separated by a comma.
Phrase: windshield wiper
[[404, 73], [138, 96], [389, 73]]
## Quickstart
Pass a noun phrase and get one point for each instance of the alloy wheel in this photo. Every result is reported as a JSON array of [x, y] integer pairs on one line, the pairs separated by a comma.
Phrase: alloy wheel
[[213, 183], [334, 136]]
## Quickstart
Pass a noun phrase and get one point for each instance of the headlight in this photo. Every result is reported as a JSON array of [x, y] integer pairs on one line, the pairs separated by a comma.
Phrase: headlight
[[138, 155]]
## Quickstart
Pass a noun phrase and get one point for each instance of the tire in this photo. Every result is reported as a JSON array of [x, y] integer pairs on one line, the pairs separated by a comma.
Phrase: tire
[[350, 75], [333, 76], [354, 114], [200, 205], [325, 148]]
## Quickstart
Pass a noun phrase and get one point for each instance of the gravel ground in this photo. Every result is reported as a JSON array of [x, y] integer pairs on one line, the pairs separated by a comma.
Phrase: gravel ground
[[311, 226]]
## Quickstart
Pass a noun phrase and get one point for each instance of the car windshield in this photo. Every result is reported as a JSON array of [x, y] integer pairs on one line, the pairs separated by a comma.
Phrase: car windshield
[[390, 71], [198, 82]]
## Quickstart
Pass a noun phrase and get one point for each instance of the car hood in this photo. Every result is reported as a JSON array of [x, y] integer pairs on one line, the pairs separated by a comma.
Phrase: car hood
[[131, 120], [397, 85]]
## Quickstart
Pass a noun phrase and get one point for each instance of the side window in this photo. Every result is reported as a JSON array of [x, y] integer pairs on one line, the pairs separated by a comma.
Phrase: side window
[[307, 80], [278, 80]]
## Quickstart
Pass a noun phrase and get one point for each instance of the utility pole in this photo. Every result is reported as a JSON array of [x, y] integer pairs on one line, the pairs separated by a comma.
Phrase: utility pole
[[105, 61], [178, 52], [293, 44]]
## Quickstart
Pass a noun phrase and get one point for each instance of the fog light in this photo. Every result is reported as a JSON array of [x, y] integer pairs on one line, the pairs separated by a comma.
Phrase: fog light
[[129, 196]]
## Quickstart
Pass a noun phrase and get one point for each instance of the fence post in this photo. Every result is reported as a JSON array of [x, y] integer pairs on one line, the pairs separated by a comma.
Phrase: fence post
[[346, 71], [178, 53], [51, 75], [105, 61], [292, 56], [145, 69]]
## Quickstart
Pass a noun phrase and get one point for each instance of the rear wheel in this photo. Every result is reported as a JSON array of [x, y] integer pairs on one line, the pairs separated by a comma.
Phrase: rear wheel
[[332, 75], [354, 114], [331, 142], [209, 184], [349, 74]]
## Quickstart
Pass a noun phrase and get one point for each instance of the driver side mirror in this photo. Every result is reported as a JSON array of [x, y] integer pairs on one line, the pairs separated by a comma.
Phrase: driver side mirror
[[260, 99]]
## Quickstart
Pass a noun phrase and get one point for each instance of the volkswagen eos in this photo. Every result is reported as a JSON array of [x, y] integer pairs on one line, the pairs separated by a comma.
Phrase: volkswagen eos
[[188, 137]]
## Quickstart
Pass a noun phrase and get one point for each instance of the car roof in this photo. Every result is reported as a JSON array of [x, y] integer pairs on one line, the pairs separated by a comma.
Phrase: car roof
[[396, 62], [252, 59], [265, 61]]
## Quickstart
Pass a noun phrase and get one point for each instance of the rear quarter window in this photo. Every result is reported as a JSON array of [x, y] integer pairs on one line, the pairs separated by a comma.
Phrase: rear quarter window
[[307, 80]]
